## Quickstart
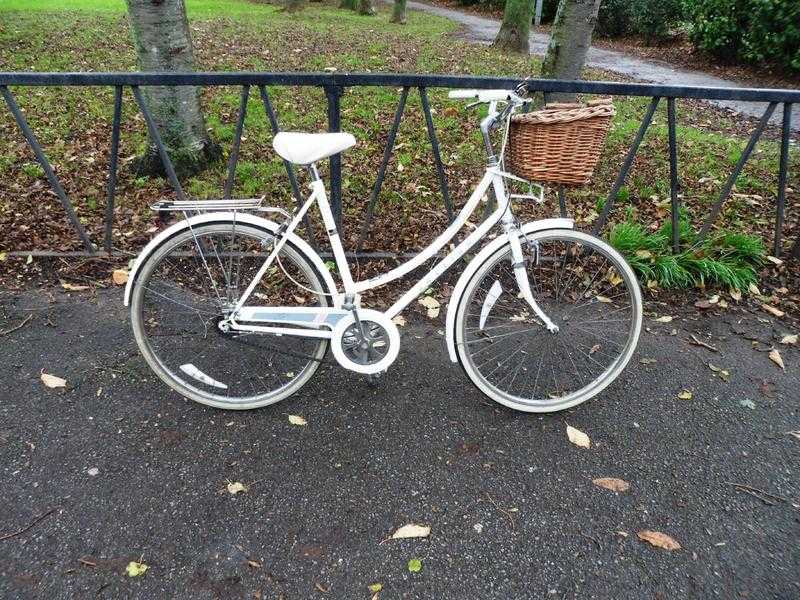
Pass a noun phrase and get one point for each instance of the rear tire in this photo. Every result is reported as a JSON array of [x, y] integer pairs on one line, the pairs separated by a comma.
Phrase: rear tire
[[181, 294]]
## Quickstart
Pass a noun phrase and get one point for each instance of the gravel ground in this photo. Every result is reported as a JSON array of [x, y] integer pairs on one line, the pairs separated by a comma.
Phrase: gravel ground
[[122, 469]]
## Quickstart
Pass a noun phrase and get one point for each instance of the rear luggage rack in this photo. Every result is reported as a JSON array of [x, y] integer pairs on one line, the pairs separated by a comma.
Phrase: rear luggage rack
[[222, 204]]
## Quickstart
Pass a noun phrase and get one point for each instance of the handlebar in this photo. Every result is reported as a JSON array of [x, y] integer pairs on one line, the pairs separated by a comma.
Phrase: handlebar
[[484, 95]]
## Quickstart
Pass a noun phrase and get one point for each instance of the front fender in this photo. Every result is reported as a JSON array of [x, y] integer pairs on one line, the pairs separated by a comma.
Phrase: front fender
[[480, 258], [245, 218]]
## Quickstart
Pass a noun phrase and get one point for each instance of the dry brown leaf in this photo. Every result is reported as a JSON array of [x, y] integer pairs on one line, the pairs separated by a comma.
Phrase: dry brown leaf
[[321, 588], [399, 320], [612, 483], [685, 395], [119, 276], [773, 310], [234, 487], [73, 287], [658, 539], [412, 530], [735, 294], [577, 437], [603, 299], [775, 357], [753, 289], [789, 339], [664, 319], [774, 260], [52, 381], [432, 304], [297, 420]]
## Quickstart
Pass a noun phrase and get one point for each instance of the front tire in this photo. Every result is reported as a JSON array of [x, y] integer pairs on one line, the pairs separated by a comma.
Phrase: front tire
[[585, 286]]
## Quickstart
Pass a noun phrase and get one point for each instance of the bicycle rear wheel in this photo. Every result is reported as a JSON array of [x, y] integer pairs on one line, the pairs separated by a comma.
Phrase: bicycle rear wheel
[[585, 287], [186, 288]]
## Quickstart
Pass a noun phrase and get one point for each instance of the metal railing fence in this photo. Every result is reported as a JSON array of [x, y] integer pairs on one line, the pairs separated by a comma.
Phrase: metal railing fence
[[335, 84]]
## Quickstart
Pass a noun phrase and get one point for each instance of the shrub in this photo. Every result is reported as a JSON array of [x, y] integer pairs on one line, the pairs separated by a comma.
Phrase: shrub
[[751, 30], [655, 19], [614, 18]]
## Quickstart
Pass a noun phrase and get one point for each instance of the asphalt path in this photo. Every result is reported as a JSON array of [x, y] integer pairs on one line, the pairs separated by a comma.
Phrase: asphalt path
[[116, 468]]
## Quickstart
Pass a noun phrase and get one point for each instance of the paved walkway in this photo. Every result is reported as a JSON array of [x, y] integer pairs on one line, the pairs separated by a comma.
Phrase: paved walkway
[[118, 468], [484, 29]]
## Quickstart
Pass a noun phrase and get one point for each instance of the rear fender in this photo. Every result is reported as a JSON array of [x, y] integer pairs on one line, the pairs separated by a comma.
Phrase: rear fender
[[480, 258], [213, 217]]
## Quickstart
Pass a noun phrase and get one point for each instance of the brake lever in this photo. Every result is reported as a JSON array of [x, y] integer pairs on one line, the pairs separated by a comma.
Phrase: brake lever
[[473, 104]]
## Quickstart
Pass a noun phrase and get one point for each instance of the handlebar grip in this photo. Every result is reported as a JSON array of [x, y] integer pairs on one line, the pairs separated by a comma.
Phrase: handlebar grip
[[462, 94]]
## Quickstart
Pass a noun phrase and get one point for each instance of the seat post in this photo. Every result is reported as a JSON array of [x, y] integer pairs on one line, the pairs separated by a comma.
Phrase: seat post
[[313, 172]]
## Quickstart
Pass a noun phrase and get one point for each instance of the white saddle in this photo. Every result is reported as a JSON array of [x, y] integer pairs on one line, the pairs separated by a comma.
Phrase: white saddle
[[306, 148]]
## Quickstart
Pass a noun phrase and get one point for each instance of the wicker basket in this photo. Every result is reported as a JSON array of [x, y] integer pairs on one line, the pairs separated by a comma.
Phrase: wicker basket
[[559, 144]]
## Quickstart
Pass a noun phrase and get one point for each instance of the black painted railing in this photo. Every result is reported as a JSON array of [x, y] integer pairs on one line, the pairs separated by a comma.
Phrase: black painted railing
[[334, 86]]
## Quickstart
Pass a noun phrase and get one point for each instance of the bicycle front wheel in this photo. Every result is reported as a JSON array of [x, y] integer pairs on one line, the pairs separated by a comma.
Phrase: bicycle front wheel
[[184, 291], [585, 287]]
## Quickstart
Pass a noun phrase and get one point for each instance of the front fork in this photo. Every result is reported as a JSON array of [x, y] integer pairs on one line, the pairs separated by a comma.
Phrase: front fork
[[518, 262]]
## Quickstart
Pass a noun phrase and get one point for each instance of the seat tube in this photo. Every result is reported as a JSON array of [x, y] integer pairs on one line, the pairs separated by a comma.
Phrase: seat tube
[[333, 232]]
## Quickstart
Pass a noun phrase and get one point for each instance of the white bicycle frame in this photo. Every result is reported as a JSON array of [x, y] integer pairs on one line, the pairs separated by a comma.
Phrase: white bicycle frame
[[319, 321]]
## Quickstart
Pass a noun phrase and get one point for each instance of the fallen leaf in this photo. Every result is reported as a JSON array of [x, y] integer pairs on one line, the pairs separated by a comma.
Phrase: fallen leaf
[[577, 437], [775, 357], [52, 381], [73, 287], [375, 587], [93, 472], [648, 361], [658, 539], [747, 404], [594, 348], [135, 569], [664, 319], [253, 563], [789, 339], [685, 395], [753, 289], [432, 304], [119, 276], [234, 487], [415, 565], [321, 588], [603, 299], [3, 256], [774, 260], [772, 310], [399, 320], [612, 483], [411, 530], [297, 420], [735, 294], [724, 374]]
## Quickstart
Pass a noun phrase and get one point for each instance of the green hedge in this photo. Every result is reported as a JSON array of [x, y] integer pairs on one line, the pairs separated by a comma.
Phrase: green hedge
[[752, 30]]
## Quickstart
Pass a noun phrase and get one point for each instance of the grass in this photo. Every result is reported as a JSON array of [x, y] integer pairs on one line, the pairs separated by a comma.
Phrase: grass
[[726, 259], [73, 124]]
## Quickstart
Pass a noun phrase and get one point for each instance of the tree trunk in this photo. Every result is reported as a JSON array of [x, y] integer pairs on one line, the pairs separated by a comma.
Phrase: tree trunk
[[399, 12], [365, 7], [293, 6], [163, 43], [570, 40], [350, 4], [515, 30]]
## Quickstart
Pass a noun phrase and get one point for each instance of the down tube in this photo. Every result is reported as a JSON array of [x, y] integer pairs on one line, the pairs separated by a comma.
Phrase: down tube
[[450, 259]]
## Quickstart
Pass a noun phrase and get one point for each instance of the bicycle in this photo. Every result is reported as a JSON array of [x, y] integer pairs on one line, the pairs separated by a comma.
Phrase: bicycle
[[234, 310]]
